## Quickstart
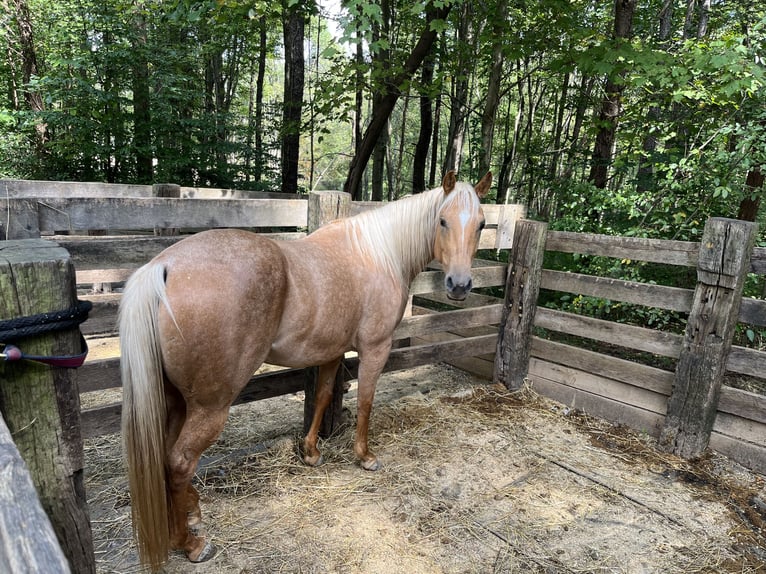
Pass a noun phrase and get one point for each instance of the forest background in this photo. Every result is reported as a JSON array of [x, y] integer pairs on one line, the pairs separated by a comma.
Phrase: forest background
[[630, 117]]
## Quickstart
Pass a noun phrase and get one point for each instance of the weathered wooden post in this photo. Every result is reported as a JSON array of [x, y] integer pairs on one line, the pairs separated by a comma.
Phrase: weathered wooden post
[[521, 290], [324, 207], [171, 190], [28, 542], [724, 261], [39, 403]]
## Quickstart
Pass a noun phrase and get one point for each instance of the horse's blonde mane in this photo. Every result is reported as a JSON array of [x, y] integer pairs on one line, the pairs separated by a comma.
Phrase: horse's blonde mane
[[399, 236]]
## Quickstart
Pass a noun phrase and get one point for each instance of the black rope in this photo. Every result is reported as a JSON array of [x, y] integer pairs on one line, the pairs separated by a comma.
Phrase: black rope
[[13, 330]]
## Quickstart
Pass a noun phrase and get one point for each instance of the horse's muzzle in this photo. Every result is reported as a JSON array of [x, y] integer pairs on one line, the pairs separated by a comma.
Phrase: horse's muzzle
[[458, 287]]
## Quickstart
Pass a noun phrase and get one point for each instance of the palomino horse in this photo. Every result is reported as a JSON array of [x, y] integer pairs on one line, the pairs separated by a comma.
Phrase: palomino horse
[[200, 318]]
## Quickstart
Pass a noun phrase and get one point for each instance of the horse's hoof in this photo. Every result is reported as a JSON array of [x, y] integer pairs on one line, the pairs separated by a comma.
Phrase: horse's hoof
[[371, 465], [207, 553], [313, 460]]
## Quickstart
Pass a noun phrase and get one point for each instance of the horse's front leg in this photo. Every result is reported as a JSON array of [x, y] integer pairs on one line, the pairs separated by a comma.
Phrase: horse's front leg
[[371, 363], [322, 397]]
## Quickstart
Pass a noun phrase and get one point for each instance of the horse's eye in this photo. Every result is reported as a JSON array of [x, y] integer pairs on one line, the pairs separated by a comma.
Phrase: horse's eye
[[443, 222], [482, 225]]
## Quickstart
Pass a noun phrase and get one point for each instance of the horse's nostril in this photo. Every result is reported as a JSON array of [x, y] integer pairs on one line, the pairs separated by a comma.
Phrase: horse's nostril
[[469, 285], [450, 283]]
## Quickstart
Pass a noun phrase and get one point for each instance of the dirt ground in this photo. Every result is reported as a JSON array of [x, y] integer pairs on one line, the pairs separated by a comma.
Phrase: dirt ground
[[474, 480]]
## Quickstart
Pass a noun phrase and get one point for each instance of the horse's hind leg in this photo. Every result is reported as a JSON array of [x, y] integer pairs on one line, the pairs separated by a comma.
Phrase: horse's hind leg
[[200, 429], [323, 396]]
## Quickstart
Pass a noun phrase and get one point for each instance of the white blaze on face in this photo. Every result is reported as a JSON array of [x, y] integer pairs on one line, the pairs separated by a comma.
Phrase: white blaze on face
[[465, 217]]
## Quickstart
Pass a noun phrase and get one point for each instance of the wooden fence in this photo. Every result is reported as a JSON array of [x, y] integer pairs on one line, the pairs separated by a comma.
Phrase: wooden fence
[[130, 222]]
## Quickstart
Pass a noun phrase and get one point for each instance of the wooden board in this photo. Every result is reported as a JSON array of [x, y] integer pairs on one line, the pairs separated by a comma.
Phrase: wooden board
[[62, 214], [629, 336], [28, 542], [683, 253], [660, 296]]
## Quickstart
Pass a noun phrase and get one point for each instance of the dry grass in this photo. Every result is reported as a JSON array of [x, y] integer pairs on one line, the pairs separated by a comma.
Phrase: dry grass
[[474, 480]]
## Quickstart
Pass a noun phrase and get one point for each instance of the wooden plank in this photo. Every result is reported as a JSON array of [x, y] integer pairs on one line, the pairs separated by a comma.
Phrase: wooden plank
[[433, 281], [753, 312], [102, 318], [616, 391], [629, 336], [99, 375], [547, 384], [146, 213], [28, 542], [434, 322], [17, 188], [758, 261], [19, 220], [508, 216], [747, 454], [744, 404], [416, 355], [741, 428], [90, 276], [683, 253], [471, 301], [660, 296], [628, 372], [747, 362]]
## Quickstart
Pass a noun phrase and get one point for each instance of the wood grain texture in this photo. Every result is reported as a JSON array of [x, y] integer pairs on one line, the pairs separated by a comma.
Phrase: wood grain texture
[[40, 404], [28, 542], [724, 262]]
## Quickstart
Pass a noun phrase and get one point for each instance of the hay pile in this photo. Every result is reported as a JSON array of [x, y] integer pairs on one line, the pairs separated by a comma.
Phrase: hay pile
[[473, 480]]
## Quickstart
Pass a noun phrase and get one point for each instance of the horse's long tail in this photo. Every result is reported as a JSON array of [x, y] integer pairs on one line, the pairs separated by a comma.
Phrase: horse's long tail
[[143, 412]]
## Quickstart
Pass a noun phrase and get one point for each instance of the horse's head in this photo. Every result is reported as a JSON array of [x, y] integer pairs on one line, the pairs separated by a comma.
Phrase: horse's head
[[460, 222]]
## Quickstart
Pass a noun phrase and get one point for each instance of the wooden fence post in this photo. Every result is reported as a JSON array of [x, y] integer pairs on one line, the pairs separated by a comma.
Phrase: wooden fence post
[[172, 190], [29, 543], [521, 291], [724, 261], [41, 404], [323, 208]]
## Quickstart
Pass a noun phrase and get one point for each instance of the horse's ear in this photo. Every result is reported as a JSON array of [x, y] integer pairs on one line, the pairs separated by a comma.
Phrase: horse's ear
[[482, 188], [449, 181]]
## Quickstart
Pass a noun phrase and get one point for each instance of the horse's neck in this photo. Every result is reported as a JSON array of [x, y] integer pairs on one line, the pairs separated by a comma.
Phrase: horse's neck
[[398, 237]]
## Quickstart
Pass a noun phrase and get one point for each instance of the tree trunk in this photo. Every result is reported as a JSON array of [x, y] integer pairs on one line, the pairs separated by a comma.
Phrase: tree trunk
[[493, 89], [458, 110], [259, 152], [388, 101], [142, 121], [610, 106], [29, 68], [748, 207], [381, 63], [420, 158], [294, 26], [645, 175]]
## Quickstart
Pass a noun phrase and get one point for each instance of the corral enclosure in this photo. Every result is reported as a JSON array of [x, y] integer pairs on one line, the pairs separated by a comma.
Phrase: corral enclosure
[[111, 230]]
